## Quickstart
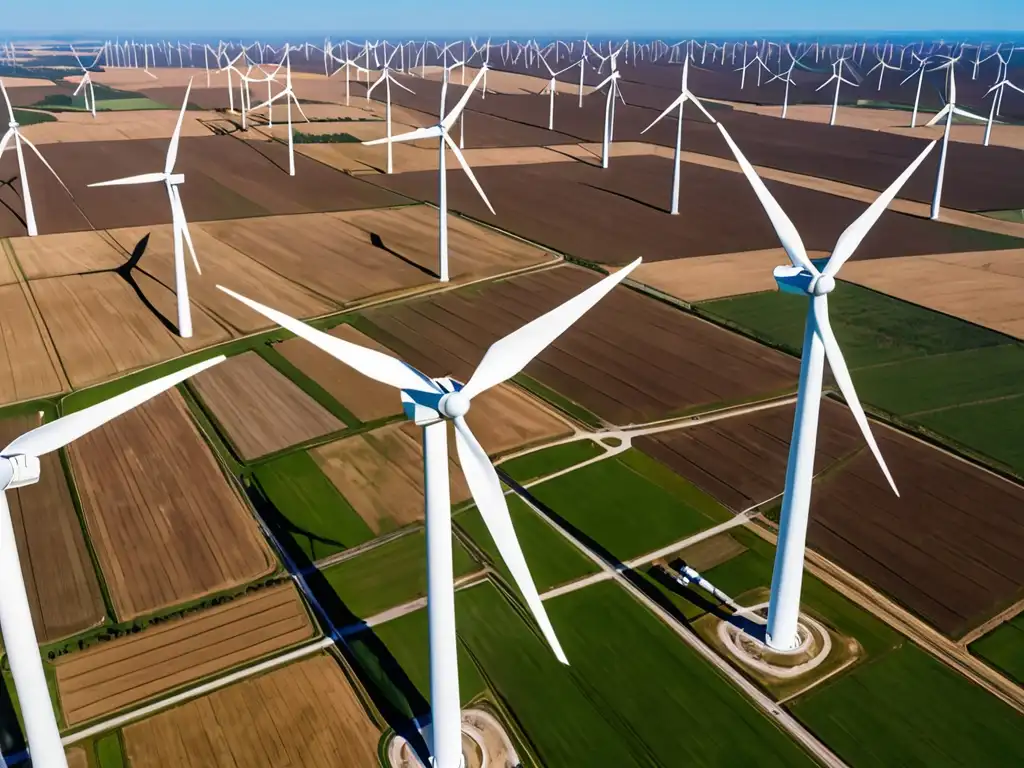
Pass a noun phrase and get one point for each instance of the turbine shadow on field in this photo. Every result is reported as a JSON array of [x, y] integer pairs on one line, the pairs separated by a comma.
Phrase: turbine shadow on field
[[638, 201], [380, 674], [125, 273], [377, 242], [694, 597], [14, 212], [12, 739]]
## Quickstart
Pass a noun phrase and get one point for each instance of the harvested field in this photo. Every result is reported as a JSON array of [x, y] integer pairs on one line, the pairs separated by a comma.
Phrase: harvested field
[[28, 94], [741, 460], [623, 360], [983, 288], [320, 252], [304, 714], [344, 115], [27, 369], [473, 250], [7, 273], [713, 277], [259, 408], [101, 327], [166, 524], [359, 159], [117, 126], [130, 78], [65, 254], [77, 758], [111, 676], [580, 209], [366, 399], [63, 592], [54, 208], [950, 548], [222, 265]]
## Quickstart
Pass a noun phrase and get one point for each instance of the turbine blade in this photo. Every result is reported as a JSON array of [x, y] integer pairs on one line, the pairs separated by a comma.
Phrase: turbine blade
[[855, 233], [404, 88], [784, 227], [485, 487], [700, 106], [56, 434], [431, 132], [369, 362], [172, 150], [841, 373], [469, 171], [298, 106], [508, 356], [453, 115], [10, 109], [47, 164], [182, 223], [675, 103], [142, 178]]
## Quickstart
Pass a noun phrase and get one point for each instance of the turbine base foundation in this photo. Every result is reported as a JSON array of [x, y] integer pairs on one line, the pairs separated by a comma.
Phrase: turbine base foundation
[[485, 744]]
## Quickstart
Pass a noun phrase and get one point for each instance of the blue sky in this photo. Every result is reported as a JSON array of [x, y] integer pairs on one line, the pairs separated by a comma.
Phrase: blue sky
[[417, 17]]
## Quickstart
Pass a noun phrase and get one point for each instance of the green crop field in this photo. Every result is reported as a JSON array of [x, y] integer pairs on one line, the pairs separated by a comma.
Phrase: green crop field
[[906, 708], [108, 751], [547, 461], [390, 574], [1003, 648], [629, 504], [552, 559], [992, 429], [318, 520], [31, 117]]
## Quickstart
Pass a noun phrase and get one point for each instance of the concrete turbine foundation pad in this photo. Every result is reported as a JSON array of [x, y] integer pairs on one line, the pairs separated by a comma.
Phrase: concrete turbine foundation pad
[[484, 744], [750, 649]]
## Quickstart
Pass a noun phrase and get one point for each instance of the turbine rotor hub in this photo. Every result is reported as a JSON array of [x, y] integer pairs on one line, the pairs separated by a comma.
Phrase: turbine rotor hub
[[453, 405], [823, 285], [18, 470]]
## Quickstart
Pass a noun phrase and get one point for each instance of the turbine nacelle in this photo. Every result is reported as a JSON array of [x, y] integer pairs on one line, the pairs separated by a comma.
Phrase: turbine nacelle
[[174, 179], [799, 281], [426, 407], [18, 470]]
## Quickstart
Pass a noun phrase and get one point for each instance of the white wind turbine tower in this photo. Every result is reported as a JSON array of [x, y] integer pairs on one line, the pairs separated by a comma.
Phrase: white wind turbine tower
[[837, 75], [431, 404], [550, 88], [14, 132], [85, 85], [289, 96], [345, 64], [996, 98], [387, 78], [171, 182], [19, 466], [441, 133], [612, 81], [678, 104], [803, 278], [229, 67], [920, 80]]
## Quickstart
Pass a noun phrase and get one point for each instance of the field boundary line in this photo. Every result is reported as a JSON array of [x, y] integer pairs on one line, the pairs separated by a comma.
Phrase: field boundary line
[[991, 624], [197, 691]]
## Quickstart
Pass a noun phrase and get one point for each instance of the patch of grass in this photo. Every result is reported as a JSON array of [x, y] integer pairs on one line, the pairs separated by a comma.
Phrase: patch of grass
[[552, 559], [320, 520], [390, 574], [547, 461], [991, 429], [629, 504], [906, 708], [31, 117], [128, 105], [324, 138], [1014, 214], [109, 753], [1003, 648]]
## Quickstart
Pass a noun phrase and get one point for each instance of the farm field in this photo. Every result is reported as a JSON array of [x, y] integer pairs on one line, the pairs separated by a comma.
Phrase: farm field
[[907, 709], [387, 575], [70, 253], [628, 505], [320, 252], [741, 460], [221, 265], [547, 461], [1001, 648], [100, 327], [36, 373], [301, 714], [553, 561], [166, 525], [118, 125], [620, 361], [63, 591], [949, 548], [312, 519], [117, 674], [260, 410]]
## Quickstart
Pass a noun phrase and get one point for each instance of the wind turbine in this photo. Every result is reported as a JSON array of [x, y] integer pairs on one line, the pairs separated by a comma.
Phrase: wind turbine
[[678, 103], [920, 79], [345, 64], [837, 75], [289, 96], [387, 79], [228, 68], [948, 112], [551, 90], [803, 278], [882, 65], [431, 403], [14, 132], [951, 109], [998, 87], [86, 83], [440, 131], [172, 181], [19, 466]]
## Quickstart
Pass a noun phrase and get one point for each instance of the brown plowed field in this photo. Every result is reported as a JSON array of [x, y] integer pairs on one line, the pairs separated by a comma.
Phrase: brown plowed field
[[321, 252], [78, 127], [77, 758], [222, 265], [630, 359], [304, 714], [115, 675], [473, 250], [65, 254], [950, 547], [55, 210], [259, 408], [741, 460], [7, 273], [101, 327], [614, 215], [366, 399], [166, 524], [63, 592], [26, 368]]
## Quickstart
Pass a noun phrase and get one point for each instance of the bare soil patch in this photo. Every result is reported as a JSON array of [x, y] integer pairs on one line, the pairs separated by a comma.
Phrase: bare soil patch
[[65, 254], [26, 368], [78, 127]]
